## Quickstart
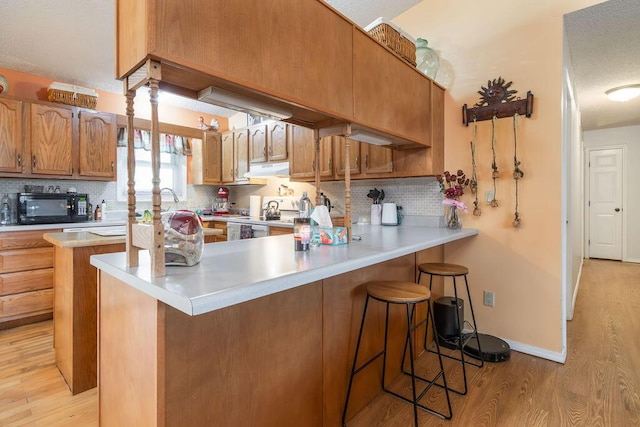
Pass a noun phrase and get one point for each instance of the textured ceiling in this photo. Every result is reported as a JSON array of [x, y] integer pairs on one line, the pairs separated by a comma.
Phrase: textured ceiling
[[604, 45], [72, 41]]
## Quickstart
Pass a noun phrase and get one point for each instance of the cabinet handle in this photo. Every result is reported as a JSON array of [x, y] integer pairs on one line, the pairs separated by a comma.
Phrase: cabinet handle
[[329, 162], [19, 160], [34, 161], [111, 166], [357, 161], [366, 161], [231, 172], [264, 152], [270, 151], [236, 173]]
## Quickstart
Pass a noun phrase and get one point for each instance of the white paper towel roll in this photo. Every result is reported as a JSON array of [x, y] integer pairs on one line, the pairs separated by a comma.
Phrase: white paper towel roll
[[255, 206]]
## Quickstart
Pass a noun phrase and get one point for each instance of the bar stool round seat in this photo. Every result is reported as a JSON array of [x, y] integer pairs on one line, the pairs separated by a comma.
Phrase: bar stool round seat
[[398, 292], [408, 294], [443, 269], [454, 270]]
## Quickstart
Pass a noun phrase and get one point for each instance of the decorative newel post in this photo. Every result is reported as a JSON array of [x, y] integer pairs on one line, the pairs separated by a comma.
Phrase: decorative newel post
[[132, 251], [157, 249]]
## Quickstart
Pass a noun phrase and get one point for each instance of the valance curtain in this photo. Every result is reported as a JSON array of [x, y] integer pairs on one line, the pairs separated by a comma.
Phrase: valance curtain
[[173, 144]]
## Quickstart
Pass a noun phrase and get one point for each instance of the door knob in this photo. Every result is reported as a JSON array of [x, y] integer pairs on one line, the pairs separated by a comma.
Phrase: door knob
[[617, 209]]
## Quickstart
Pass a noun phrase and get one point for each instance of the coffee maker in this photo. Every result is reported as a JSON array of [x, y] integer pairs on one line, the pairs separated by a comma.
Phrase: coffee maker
[[221, 205]]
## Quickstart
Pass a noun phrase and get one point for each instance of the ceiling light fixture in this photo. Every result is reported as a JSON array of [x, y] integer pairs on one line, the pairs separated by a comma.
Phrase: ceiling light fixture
[[624, 93], [233, 101], [371, 138]]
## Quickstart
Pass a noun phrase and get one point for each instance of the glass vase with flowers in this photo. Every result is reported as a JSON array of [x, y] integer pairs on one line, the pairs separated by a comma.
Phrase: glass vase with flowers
[[452, 185]]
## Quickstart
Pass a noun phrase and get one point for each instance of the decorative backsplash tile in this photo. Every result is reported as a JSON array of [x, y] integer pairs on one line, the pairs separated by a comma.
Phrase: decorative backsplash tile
[[417, 196]]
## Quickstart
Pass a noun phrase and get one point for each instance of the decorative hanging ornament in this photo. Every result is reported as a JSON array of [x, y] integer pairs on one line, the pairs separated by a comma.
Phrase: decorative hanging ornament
[[494, 166], [517, 172], [473, 183]]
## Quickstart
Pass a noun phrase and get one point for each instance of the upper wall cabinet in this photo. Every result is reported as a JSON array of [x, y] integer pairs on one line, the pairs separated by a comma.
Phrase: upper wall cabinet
[[300, 56], [51, 140], [41, 139], [96, 148], [11, 140], [268, 142]]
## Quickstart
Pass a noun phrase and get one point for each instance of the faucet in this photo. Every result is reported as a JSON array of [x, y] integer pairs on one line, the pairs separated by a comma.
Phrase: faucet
[[175, 197]]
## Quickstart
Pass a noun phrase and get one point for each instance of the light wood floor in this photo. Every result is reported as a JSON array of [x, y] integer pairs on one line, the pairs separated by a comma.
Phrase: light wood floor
[[598, 386]]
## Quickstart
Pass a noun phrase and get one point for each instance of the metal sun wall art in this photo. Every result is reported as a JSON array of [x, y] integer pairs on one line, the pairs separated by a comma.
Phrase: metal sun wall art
[[497, 100]]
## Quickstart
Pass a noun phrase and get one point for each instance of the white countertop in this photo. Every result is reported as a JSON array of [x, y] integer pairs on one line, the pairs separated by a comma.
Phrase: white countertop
[[234, 272], [86, 224]]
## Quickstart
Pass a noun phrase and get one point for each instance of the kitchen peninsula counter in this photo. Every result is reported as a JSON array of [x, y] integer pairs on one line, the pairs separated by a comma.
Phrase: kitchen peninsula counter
[[255, 334], [253, 268]]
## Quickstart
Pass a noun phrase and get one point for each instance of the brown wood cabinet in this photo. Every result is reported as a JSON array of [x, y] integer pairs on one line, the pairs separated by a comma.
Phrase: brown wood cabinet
[[97, 144], [42, 139], [211, 158], [339, 157], [11, 136], [220, 225], [235, 156], [26, 278], [51, 137], [335, 71], [258, 143], [276, 231], [268, 142], [302, 155]]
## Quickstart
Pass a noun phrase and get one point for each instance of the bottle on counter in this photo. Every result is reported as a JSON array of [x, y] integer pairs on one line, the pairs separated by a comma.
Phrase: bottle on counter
[[98, 214], [304, 208], [103, 209], [5, 211]]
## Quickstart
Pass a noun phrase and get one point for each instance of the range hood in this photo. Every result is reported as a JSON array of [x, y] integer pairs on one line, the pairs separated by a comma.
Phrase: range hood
[[268, 169]]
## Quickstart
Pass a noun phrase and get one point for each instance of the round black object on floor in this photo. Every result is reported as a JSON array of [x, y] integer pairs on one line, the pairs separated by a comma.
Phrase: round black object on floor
[[493, 348]]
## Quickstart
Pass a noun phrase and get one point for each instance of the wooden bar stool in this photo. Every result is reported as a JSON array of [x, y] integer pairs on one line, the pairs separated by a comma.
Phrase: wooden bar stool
[[409, 294], [453, 271]]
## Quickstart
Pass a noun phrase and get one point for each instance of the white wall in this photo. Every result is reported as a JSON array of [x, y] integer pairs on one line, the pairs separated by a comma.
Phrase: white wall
[[628, 136]]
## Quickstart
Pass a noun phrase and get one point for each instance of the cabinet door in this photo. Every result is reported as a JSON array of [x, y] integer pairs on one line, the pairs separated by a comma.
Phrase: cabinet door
[[228, 164], [211, 159], [51, 140], [339, 156], [258, 144], [97, 143], [376, 159], [277, 141], [241, 140], [11, 141], [302, 159]]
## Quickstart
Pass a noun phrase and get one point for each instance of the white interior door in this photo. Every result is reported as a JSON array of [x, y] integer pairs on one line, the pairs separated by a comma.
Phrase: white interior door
[[605, 204]]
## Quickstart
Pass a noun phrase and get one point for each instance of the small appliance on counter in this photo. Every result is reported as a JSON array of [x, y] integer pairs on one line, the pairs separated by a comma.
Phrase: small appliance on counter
[[285, 208], [221, 205], [52, 208], [389, 214]]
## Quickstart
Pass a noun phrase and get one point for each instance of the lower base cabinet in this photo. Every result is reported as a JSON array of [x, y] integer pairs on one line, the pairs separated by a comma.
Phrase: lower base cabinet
[[26, 278]]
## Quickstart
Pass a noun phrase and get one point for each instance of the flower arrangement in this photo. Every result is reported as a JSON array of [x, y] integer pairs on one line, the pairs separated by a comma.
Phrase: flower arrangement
[[452, 186]]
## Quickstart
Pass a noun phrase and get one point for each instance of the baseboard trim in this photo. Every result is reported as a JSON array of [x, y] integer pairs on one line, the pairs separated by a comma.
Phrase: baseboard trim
[[538, 352], [637, 261], [575, 293]]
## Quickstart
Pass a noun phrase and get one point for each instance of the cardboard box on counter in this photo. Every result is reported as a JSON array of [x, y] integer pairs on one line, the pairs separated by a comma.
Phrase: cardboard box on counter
[[332, 236]]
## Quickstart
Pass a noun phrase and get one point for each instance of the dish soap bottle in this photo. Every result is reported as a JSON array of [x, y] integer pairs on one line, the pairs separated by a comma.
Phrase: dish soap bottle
[[304, 208]]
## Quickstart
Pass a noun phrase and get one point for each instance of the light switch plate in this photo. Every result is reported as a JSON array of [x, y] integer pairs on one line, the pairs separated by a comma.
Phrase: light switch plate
[[489, 195]]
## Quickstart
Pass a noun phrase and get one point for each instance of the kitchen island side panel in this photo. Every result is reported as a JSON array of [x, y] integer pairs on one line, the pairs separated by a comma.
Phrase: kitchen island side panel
[[128, 357]]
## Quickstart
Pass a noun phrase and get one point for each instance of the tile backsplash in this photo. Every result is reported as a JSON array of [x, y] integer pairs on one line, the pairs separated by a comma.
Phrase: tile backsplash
[[417, 196]]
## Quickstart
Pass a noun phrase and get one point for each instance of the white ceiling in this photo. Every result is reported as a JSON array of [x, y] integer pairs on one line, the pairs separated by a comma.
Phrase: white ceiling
[[72, 41]]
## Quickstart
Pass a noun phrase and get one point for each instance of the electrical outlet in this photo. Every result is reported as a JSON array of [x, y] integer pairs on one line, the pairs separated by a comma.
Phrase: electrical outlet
[[489, 196], [488, 298]]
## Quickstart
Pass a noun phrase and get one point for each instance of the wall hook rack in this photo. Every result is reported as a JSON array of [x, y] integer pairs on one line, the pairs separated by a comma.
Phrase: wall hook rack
[[497, 100]]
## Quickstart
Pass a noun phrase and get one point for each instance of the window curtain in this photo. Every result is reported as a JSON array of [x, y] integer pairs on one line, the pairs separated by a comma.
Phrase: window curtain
[[173, 144]]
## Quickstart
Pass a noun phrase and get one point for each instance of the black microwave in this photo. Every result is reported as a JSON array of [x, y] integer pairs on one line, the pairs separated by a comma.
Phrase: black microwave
[[52, 208]]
